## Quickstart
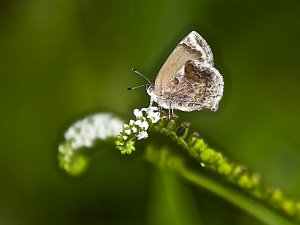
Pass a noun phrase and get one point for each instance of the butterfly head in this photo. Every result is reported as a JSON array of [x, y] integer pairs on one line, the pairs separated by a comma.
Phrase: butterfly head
[[151, 93], [150, 89]]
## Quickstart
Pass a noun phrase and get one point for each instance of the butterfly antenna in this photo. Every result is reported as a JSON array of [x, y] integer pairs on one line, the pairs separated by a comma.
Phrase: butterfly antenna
[[132, 88], [137, 72]]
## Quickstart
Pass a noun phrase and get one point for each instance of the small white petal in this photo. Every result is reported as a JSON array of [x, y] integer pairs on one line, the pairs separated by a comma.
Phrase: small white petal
[[153, 114], [151, 109], [128, 132], [125, 137], [138, 122], [134, 129], [144, 125], [154, 118], [142, 135], [137, 113]]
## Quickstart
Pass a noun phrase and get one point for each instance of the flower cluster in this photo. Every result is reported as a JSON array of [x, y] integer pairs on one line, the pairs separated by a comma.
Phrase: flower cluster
[[136, 129], [84, 134]]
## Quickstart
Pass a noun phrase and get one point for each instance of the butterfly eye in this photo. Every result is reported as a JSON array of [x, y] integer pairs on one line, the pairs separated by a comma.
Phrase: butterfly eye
[[150, 88]]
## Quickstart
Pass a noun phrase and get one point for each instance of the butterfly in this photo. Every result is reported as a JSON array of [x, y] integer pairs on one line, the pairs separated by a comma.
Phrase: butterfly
[[188, 80]]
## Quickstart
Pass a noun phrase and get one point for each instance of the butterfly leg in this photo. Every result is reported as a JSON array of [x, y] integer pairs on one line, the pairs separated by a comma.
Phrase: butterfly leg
[[171, 111], [151, 102]]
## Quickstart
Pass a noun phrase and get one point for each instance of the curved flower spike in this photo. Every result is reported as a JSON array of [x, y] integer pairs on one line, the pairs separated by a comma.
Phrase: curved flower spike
[[84, 134]]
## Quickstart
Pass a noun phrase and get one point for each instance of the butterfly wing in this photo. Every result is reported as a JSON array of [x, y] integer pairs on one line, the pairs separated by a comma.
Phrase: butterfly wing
[[198, 86], [192, 47]]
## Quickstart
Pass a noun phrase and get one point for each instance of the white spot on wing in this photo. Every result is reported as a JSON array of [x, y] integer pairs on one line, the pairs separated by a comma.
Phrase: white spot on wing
[[196, 42]]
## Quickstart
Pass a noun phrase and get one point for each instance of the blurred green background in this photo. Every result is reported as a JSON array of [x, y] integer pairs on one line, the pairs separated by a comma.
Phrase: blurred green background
[[62, 59]]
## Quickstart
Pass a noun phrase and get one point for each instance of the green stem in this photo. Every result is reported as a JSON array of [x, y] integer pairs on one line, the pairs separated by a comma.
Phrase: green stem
[[236, 174], [254, 208], [165, 160]]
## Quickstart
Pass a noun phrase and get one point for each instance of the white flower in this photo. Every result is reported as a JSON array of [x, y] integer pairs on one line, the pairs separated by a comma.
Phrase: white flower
[[142, 135], [128, 132], [144, 125], [134, 129], [153, 114], [125, 137], [138, 113], [152, 108], [131, 122], [154, 118], [138, 123], [84, 132]]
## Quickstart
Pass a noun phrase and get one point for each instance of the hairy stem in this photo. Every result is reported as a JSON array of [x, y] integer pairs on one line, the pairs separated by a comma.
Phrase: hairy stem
[[164, 159], [236, 174]]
